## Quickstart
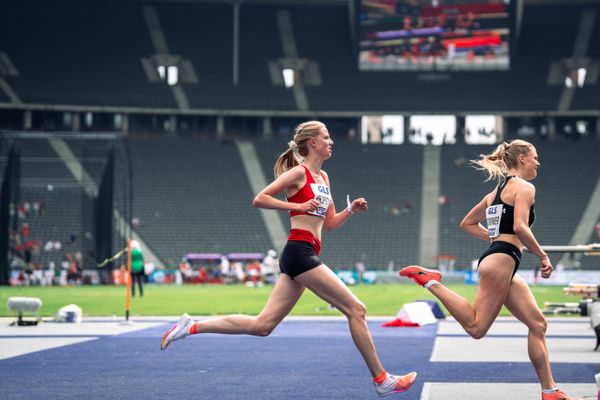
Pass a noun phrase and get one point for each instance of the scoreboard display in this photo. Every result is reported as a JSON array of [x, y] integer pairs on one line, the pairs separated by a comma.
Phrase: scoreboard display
[[434, 35]]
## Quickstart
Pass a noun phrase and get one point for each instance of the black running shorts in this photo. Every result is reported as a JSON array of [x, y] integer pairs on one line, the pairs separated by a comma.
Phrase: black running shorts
[[298, 257], [503, 247]]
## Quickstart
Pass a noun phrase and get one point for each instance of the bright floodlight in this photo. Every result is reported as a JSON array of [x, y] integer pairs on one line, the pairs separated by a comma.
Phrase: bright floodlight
[[568, 82], [172, 75], [581, 73], [161, 71], [288, 77]]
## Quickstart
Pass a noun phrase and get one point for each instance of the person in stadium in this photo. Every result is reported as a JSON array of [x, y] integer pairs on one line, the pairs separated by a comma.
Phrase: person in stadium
[[309, 202], [509, 213], [137, 267]]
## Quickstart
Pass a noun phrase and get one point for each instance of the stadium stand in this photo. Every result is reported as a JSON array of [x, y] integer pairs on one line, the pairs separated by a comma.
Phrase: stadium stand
[[208, 46], [346, 88], [587, 97], [463, 188], [58, 214], [84, 54], [192, 196], [389, 178], [260, 44], [567, 178], [187, 32], [101, 64]]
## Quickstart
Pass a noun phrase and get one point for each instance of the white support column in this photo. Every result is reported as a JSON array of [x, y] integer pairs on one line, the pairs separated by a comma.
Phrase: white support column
[[430, 212], [76, 121], [27, 119], [220, 127], [256, 177], [267, 128], [236, 42]]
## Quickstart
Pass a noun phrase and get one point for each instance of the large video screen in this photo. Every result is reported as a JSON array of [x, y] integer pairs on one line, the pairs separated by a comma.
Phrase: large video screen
[[434, 35]]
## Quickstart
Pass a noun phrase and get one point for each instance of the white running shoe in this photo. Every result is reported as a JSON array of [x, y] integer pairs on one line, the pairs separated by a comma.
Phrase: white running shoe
[[395, 384], [179, 331]]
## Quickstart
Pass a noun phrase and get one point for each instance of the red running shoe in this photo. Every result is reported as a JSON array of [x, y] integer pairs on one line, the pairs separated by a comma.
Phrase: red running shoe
[[558, 395], [421, 275]]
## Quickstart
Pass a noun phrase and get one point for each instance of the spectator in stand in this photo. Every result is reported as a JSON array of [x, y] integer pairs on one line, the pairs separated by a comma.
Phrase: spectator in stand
[[270, 267], [360, 269], [254, 275], [202, 274], [73, 273], [224, 269]]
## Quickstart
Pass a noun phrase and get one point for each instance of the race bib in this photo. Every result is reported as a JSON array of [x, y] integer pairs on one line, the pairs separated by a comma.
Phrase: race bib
[[493, 215], [323, 197]]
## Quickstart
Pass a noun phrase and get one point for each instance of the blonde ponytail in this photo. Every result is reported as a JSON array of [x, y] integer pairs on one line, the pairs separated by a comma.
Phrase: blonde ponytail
[[297, 148], [287, 160], [497, 164]]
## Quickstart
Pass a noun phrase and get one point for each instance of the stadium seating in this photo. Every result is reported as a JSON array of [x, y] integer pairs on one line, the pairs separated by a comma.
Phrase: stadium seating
[[463, 186], [80, 54], [46, 180], [193, 196], [101, 63]]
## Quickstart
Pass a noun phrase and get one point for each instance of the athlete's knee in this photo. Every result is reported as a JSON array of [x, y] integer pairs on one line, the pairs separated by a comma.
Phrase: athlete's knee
[[357, 310], [477, 331], [264, 332], [539, 326], [263, 328]]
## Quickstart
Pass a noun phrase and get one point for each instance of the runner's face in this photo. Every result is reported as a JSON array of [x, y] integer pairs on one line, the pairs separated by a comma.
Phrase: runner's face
[[323, 143], [530, 164]]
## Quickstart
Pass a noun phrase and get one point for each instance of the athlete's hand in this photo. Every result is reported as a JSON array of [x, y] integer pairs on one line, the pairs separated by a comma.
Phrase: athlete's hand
[[546, 267], [360, 205], [309, 206]]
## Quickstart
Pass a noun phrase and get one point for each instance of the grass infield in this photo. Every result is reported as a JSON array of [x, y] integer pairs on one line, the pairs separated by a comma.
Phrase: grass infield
[[381, 300]]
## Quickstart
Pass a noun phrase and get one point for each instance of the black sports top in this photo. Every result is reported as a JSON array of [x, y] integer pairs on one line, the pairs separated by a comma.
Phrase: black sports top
[[500, 216]]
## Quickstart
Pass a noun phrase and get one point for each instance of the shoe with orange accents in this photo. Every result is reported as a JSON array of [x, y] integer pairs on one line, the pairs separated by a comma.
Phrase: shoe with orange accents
[[558, 395], [394, 384], [179, 331], [421, 275]]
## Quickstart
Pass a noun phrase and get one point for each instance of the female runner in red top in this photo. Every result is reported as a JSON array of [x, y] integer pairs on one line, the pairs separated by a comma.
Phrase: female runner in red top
[[306, 186]]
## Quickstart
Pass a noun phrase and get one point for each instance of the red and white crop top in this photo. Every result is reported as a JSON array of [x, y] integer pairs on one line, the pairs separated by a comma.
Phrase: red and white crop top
[[312, 190]]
